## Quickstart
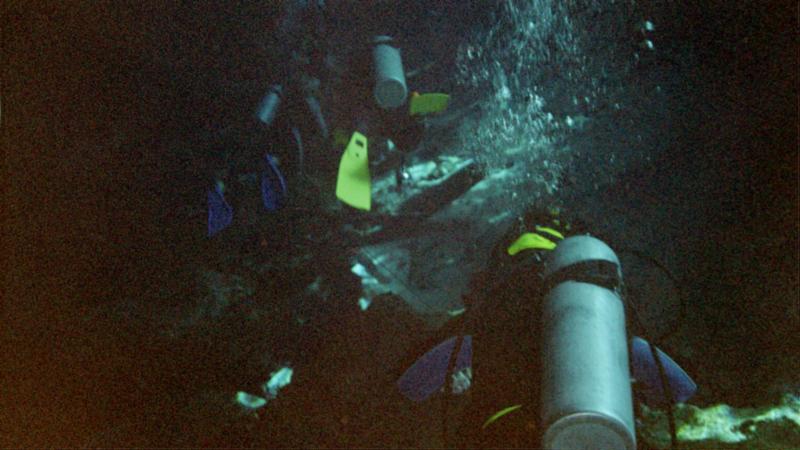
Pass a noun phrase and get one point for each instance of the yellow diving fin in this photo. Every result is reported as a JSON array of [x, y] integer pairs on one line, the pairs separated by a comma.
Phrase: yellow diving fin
[[530, 240], [550, 231], [353, 184], [427, 103], [500, 414]]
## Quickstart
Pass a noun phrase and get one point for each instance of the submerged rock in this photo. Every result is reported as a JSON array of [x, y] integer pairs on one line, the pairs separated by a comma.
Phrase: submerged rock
[[724, 426]]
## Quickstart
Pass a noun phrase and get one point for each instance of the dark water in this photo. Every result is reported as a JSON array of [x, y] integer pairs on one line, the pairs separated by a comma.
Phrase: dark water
[[113, 119]]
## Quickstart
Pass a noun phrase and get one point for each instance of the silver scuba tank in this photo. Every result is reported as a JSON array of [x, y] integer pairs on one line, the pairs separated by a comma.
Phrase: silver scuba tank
[[268, 108], [586, 390], [390, 79]]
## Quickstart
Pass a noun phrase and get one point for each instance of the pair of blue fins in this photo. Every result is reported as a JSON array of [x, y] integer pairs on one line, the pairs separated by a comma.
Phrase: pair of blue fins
[[427, 375], [273, 196], [353, 186]]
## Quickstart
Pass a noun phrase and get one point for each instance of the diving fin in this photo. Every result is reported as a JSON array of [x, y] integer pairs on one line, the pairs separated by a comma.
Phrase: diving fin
[[421, 104], [273, 185], [551, 231], [530, 240], [500, 414], [428, 374], [220, 213], [645, 371], [353, 185]]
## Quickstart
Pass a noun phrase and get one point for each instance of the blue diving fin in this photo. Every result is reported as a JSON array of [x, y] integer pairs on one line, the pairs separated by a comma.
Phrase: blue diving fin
[[428, 374], [646, 373], [220, 213], [273, 185]]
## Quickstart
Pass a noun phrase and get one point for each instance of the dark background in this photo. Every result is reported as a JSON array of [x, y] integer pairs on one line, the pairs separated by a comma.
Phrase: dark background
[[97, 96]]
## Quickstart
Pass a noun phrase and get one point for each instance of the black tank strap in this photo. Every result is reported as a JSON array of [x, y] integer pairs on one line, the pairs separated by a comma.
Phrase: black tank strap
[[596, 271]]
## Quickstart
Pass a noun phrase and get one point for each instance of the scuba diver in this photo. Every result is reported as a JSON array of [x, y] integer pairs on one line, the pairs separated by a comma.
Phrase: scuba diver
[[387, 123], [290, 107], [381, 132], [543, 355]]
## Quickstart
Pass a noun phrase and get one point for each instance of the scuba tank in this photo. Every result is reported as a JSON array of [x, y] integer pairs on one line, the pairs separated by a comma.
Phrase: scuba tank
[[390, 79], [586, 400], [268, 108]]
